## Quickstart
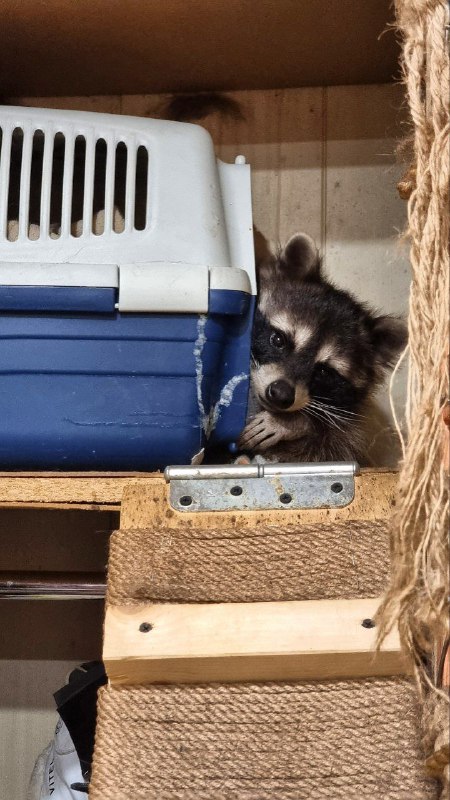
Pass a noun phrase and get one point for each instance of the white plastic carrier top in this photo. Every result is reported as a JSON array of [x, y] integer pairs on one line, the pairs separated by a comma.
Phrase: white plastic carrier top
[[141, 205]]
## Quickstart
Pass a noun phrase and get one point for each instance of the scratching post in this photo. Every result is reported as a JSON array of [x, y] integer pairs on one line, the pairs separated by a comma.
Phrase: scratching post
[[418, 595], [347, 729]]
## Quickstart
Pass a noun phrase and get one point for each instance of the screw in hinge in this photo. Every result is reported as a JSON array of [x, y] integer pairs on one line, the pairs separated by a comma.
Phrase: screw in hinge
[[285, 498], [186, 500], [236, 491], [336, 488]]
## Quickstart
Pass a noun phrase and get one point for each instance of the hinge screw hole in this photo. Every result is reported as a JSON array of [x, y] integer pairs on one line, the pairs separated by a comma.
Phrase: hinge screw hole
[[185, 500], [236, 491], [336, 488]]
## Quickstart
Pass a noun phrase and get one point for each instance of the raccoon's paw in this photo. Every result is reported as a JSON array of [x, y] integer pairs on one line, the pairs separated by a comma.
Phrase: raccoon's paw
[[262, 432]]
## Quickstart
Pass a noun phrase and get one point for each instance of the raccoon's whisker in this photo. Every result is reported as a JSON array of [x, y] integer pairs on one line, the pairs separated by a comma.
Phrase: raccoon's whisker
[[332, 418], [337, 409], [324, 416], [314, 413], [329, 410], [336, 415], [344, 411], [308, 410], [311, 413]]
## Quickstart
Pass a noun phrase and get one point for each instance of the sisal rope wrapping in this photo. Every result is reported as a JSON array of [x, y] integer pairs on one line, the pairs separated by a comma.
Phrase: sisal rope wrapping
[[291, 741], [264, 563], [418, 594], [342, 739]]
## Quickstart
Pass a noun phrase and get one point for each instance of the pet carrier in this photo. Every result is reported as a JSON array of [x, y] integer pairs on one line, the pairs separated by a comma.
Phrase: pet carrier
[[126, 291]]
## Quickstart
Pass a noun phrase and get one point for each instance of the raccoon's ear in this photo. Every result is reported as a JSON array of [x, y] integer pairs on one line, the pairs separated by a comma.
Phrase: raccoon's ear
[[389, 336], [300, 258]]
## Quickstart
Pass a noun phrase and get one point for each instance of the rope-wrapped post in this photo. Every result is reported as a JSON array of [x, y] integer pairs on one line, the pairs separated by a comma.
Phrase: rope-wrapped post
[[418, 594]]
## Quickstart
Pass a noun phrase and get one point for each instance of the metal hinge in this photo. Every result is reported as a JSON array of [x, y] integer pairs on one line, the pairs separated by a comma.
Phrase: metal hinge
[[262, 486]]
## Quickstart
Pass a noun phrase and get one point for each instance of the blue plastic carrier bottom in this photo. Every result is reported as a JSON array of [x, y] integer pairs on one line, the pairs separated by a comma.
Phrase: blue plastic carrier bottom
[[119, 392]]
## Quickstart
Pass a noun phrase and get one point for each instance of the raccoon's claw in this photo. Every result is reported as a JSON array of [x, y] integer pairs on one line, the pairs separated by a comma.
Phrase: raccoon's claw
[[262, 432]]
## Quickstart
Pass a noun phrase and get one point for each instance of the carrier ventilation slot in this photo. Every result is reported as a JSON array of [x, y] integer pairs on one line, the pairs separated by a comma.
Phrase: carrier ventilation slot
[[120, 184], [56, 190], [99, 206], [140, 208], [54, 186], [78, 178], [15, 169], [37, 163]]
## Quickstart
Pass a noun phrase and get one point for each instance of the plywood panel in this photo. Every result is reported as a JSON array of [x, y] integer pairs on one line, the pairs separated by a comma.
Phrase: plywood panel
[[88, 491], [100, 47], [106, 104]]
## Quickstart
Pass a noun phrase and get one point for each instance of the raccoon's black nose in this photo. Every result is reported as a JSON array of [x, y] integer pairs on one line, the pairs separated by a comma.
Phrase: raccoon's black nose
[[280, 394]]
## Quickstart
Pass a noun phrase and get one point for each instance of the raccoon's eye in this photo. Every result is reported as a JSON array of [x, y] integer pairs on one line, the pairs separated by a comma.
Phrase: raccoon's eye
[[322, 370], [277, 340]]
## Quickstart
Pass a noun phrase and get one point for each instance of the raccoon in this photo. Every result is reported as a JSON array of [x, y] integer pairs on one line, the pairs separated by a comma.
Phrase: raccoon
[[318, 354]]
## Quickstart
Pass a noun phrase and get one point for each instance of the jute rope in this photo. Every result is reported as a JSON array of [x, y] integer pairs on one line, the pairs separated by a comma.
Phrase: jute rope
[[263, 563], [418, 594], [343, 740], [346, 740]]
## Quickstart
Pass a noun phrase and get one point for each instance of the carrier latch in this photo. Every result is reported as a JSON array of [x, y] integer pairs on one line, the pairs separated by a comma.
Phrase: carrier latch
[[261, 486]]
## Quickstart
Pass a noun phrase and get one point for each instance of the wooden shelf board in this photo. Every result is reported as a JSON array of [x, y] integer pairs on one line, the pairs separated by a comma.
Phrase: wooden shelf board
[[59, 47], [90, 491], [144, 496]]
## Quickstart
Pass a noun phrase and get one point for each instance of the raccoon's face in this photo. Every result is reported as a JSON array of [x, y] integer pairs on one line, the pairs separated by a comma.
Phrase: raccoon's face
[[313, 345]]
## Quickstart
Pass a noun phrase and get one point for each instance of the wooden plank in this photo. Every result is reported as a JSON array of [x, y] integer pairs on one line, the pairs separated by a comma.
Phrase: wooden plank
[[143, 498], [55, 506], [89, 490], [188, 45], [146, 503], [232, 642]]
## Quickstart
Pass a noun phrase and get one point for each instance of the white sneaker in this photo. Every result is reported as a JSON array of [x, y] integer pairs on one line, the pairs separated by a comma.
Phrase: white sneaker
[[57, 774]]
